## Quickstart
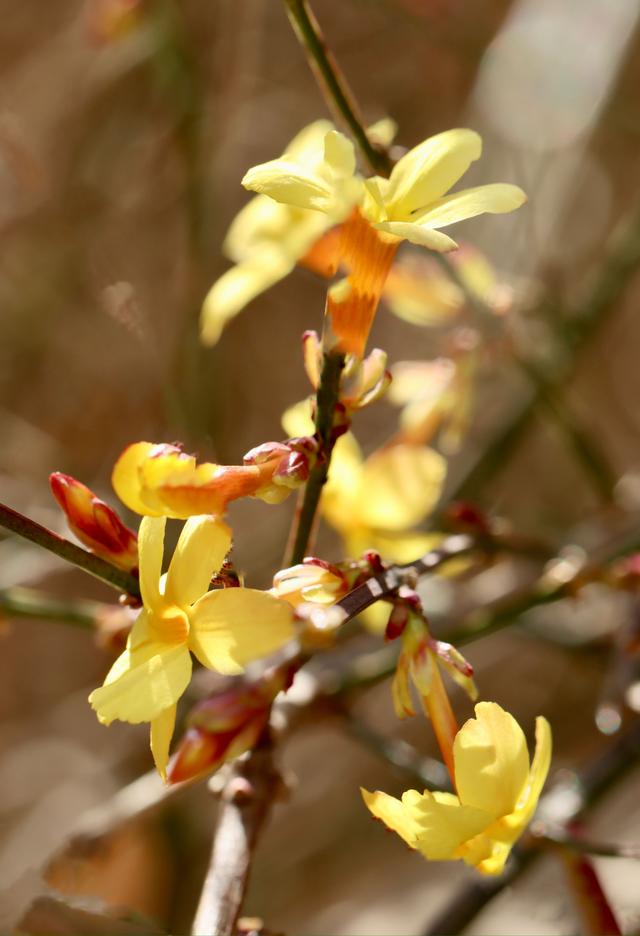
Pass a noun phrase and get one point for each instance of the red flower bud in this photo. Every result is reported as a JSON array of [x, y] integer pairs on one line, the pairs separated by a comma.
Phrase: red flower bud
[[95, 524]]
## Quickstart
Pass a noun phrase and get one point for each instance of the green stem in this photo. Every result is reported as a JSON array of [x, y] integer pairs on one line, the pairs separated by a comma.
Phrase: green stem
[[326, 400], [25, 603], [94, 565], [332, 82]]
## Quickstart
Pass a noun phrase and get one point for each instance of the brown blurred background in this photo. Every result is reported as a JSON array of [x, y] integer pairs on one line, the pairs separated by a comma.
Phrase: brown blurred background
[[120, 161]]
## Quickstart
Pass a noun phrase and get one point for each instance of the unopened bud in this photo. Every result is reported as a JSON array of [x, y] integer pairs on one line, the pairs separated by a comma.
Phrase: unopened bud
[[95, 524]]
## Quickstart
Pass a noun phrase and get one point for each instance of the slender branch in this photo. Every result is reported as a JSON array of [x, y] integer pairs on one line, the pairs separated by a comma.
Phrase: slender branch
[[332, 83], [548, 835], [429, 773], [94, 565], [27, 603], [326, 401], [386, 584], [621, 262], [246, 802], [548, 396]]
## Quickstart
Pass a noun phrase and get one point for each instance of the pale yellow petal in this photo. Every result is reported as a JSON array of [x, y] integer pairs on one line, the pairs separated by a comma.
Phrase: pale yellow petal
[[403, 545], [443, 824], [418, 234], [539, 770], [394, 815], [151, 551], [233, 626], [429, 170], [289, 183], [297, 420], [499, 198], [375, 617], [339, 153], [491, 761], [126, 481], [382, 131], [237, 287], [307, 146], [162, 727], [143, 683], [341, 493], [400, 486], [199, 553]]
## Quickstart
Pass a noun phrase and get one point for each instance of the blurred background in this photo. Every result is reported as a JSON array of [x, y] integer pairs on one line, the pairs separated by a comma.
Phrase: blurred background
[[125, 128]]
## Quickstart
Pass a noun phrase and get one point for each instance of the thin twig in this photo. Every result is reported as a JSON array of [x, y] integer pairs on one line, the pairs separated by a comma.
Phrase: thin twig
[[326, 401], [28, 603], [428, 773], [620, 263], [246, 802], [547, 835], [332, 83], [94, 565]]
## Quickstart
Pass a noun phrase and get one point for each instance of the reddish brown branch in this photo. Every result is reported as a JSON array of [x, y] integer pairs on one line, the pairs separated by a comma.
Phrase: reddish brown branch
[[245, 804]]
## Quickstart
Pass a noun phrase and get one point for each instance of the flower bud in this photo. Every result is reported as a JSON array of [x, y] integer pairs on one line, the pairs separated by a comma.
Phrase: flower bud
[[226, 725], [313, 580], [95, 524]]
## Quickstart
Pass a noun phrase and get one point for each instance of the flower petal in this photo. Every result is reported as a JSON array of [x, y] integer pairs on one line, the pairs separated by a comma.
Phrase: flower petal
[[339, 153], [237, 287], [491, 761], [233, 626], [444, 824], [307, 145], [162, 727], [393, 813], [200, 551], [418, 234], [290, 184], [143, 682], [400, 486], [429, 170], [498, 198], [125, 478], [297, 419], [151, 552]]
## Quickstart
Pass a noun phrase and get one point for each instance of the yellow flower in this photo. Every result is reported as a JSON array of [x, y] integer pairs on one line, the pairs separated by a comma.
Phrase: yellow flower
[[419, 290], [497, 794], [268, 238], [375, 503], [265, 241], [162, 480], [412, 203], [313, 580], [436, 396], [224, 629]]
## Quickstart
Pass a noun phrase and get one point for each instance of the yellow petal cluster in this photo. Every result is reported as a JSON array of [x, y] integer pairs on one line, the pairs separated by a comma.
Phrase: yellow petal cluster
[[497, 794], [161, 480], [412, 204], [266, 240], [269, 237], [376, 503], [224, 629], [419, 291]]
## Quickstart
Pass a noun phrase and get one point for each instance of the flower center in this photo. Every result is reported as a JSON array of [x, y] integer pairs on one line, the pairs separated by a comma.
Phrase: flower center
[[172, 625]]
